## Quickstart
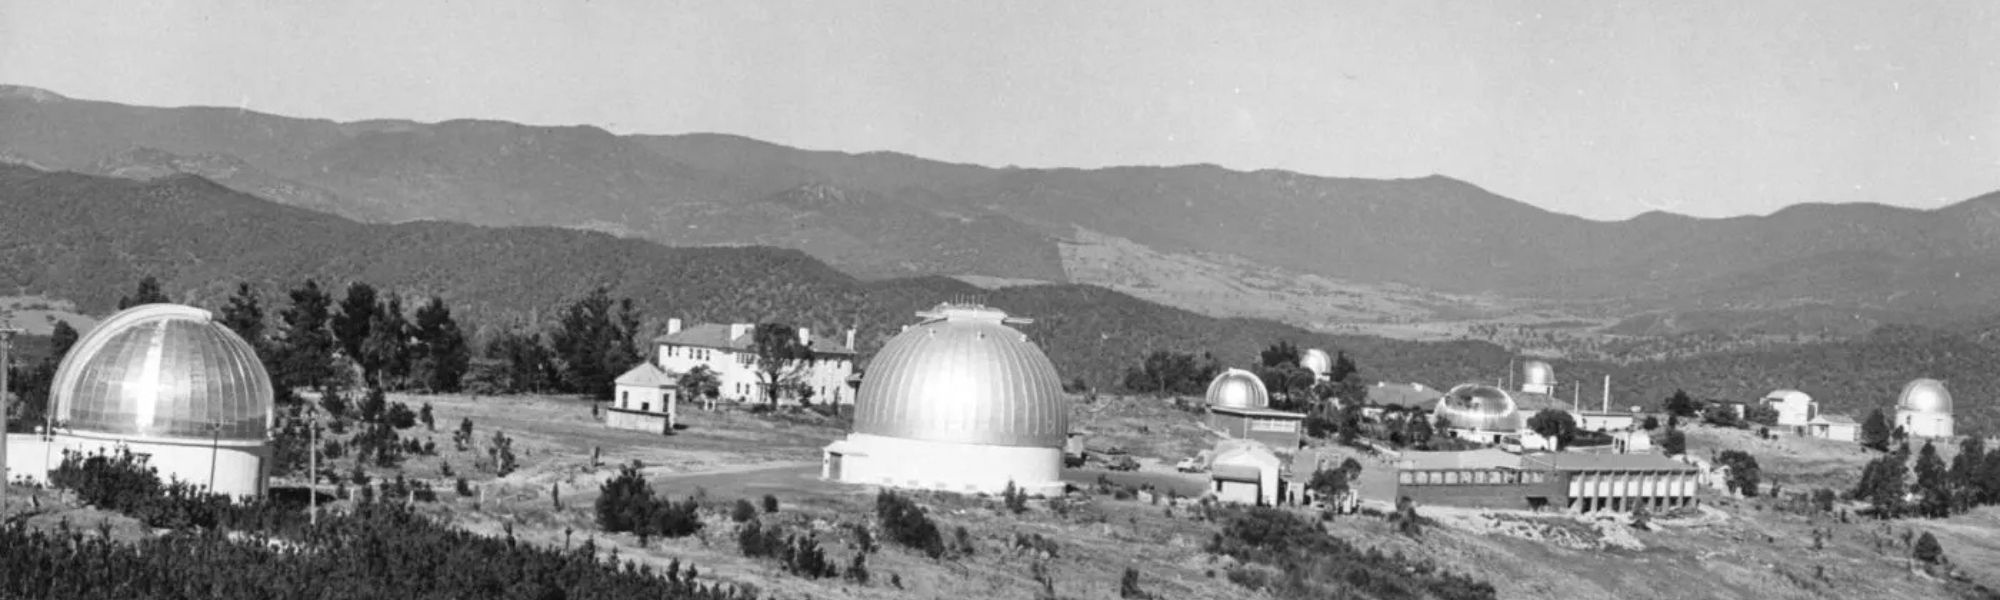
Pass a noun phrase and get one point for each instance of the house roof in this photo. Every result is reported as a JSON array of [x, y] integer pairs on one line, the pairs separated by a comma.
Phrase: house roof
[[1565, 461], [716, 335], [1486, 458], [647, 375]]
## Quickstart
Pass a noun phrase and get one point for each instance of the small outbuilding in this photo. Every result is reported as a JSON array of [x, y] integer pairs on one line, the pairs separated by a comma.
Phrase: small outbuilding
[[1246, 472], [645, 398]]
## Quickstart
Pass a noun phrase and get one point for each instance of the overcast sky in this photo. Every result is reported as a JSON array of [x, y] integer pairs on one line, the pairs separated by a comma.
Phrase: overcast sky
[[1591, 107]]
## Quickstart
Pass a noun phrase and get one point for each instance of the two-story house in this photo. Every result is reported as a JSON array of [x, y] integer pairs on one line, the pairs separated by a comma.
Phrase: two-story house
[[730, 350]]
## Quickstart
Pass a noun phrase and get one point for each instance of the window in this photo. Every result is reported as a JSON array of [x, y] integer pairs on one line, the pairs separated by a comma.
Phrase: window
[[644, 407]]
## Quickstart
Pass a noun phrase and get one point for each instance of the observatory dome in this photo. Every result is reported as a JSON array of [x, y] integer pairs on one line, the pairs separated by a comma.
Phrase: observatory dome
[[963, 376], [1317, 361], [1536, 372], [1480, 408], [1925, 396], [1237, 388], [166, 372]]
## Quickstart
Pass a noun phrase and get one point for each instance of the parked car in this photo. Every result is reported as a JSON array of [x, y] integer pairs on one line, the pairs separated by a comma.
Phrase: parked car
[[1124, 463], [1188, 465]]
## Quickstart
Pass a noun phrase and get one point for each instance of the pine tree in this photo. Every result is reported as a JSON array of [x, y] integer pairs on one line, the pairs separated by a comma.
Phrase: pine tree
[[244, 314], [596, 342], [149, 292], [61, 338], [1964, 473], [351, 325], [441, 355], [386, 348], [1932, 484], [1875, 431], [308, 346]]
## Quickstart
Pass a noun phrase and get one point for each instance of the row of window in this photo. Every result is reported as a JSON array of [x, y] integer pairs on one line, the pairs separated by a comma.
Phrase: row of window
[[1279, 425], [1472, 477]]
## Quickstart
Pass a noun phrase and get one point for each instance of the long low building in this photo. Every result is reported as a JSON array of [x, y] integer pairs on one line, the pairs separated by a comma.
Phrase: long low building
[[1583, 482]]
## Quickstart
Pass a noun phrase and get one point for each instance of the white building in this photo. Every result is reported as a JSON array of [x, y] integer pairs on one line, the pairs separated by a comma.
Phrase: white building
[[163, 381], [960, 402], [1482, 413], [1835, 427], [1924, 409], [731, 352], [1795, 408], [645, 398], [1616, 420], [1245, 472], [1317, 361]]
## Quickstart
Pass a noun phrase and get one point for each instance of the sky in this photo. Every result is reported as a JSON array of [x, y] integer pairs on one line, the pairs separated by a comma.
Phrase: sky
[[1590, 107]]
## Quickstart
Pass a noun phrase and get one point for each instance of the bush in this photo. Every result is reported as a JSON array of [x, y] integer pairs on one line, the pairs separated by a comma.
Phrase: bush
[[1928, 550], [905, 523], [1015, 499], [400, 416], [1317, 565], [770, 503], [743, 511], [1743, 471]]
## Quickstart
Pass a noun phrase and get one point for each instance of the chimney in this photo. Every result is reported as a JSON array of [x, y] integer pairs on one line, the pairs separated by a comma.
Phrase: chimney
[[736, 330], [673, 326], [850, 339], [806, 336]]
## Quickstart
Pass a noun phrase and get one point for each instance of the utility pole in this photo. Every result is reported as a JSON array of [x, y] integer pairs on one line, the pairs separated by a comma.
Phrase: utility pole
[[214, 450], [1607, 393], [312, 463], [7, 332]]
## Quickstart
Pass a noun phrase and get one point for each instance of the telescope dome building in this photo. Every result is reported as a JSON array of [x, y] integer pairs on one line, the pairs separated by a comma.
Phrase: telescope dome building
[[1240, 407], [167, 381], [1537, 377], [1481, 412], [959, 402], [1317, 361], [1237, 388], [1924, 409]]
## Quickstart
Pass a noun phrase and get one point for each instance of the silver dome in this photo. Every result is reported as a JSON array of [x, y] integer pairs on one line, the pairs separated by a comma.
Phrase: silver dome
[[1925, 396], [163, 371], [1317, 361], [1536, 372], [963, 376], [1237, 388], [1480, 408]]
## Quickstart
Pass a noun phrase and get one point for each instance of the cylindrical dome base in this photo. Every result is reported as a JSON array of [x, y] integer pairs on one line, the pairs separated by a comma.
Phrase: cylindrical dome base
[[1925, 424], [943, 466], [238, 469]]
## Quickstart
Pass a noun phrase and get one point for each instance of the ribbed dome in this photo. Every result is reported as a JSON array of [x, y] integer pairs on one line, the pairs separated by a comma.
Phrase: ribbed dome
[[1237, 388], [163, 371], [1480, 407], [1317, 361], [1925, 396], [963, 376], [1536, 372]]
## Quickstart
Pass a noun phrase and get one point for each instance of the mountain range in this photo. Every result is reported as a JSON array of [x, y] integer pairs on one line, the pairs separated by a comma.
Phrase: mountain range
[[883, 215]]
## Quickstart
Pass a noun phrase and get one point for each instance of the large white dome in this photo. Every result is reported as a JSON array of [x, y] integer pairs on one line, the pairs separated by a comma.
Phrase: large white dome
[[1237, 388], [1925, 396], [963, 376], [1480, 408], [163, 371]]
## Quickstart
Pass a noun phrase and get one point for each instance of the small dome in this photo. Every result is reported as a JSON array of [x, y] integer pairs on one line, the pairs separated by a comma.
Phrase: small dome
[[1925, 396], [163, 371], [1317, 361], [1536, 372], [1480, 408], [963, 376], [1237, 388]]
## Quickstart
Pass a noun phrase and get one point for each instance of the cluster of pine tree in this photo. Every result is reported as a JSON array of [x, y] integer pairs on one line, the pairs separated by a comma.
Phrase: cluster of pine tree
[[1971, 479]]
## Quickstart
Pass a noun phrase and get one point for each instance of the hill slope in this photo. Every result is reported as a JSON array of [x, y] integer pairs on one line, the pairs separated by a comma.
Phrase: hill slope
[[1434, 232]]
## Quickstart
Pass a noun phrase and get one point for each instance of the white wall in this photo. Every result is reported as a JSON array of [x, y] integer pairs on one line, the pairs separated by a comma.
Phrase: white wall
[[239, 469], [1924, 424], [964, 468], [739, 381]]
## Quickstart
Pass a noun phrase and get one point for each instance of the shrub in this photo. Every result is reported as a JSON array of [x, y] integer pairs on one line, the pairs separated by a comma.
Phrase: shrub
[[905, 523], [1928, 550], [770, 503], [1015, 499], [743, 511], [1743, 471], [400, 416]]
